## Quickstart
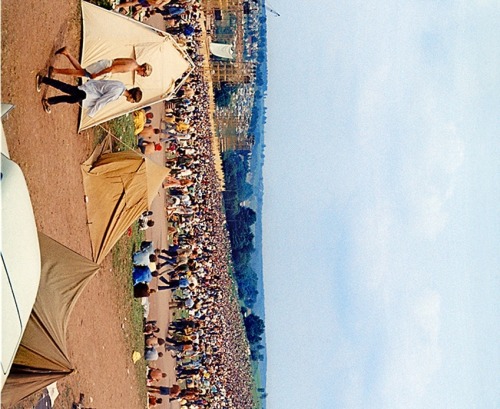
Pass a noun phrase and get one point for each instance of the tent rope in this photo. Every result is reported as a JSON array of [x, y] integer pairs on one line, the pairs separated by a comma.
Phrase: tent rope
[[109, 133]]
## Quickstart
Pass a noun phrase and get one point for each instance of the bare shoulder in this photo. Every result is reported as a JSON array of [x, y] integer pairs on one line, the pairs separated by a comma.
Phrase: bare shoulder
[[126, 64]]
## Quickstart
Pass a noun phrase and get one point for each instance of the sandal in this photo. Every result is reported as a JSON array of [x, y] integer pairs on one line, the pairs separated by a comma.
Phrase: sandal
[[46, 106], [39, 78], [60, 51]]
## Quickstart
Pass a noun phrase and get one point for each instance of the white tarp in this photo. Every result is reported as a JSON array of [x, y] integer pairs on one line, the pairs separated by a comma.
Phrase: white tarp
[[222, 50], [110, 35]]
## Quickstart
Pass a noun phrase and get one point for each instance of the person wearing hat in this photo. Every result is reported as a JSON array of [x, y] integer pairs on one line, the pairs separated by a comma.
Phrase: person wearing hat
[[102, 68]]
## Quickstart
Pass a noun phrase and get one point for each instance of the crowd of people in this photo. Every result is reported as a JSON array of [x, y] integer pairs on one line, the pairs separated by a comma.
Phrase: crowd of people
[[205, 334], [181, 17]]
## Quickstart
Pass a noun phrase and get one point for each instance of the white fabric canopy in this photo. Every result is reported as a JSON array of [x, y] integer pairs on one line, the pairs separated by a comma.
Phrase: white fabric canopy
[[110, 35], [222, 50]]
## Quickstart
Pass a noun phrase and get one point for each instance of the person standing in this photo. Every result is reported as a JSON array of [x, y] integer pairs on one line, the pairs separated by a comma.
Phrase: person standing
[[102, 67], [94, 94]]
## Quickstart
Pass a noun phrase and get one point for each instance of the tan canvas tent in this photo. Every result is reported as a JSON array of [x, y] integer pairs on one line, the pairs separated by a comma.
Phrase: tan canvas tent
[[109, 35], [119, 187], [42, 357]]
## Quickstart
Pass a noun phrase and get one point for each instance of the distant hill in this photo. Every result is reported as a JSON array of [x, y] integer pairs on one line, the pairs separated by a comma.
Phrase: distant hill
[[257, 126]]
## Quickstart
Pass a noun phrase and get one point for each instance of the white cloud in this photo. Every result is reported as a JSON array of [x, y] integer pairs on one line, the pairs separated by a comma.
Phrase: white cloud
[[432, 184], [414, 355], [427, 313]]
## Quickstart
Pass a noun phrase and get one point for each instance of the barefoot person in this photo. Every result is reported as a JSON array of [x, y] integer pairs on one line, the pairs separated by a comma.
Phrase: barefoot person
[[101, 67], [94, 94]]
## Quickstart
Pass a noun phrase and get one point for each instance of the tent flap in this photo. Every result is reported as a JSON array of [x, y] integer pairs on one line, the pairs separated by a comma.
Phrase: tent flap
[[42, 357], [109, 35], [119, 187]]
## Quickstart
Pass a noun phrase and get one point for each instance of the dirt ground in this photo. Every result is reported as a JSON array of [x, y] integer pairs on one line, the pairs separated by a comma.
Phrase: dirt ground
[[50, 151]]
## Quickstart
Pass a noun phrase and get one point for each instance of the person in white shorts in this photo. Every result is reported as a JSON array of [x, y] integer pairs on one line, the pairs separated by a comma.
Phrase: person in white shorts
[[101, 69]]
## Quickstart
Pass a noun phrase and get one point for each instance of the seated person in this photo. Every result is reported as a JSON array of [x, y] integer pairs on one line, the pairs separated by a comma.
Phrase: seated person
[[153, 401], [143, 258], [148, 147], [149, 132], [139, 118], [150, 329], [152, 341], [142, 290], [156, 375], [145, 223], [142, 274], [152, 354]]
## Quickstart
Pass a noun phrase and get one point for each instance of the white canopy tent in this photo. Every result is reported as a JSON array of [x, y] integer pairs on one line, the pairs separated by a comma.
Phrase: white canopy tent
[[222, 50], [110, 35]]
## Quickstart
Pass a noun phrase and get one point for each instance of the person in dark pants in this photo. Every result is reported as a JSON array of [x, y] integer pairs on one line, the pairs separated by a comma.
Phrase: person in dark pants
[[93, 95], [173, 391], [173, 284]]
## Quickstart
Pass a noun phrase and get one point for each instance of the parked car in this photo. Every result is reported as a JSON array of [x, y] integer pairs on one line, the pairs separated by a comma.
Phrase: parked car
[[20, 254]]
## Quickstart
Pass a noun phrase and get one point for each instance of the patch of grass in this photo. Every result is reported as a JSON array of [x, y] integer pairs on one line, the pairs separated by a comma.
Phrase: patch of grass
[[105, 4], [131, 307], [121, 127], [257, 383]]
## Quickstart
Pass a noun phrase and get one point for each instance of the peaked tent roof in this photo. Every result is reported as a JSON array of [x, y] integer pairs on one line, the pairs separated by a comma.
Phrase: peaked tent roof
[[222, 50], [110, 35], [42, 357], [119, 187]]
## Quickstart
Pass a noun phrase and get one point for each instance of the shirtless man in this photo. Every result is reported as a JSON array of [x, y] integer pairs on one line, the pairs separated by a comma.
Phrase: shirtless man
[[149, 131], [101, 67], [156, 375]]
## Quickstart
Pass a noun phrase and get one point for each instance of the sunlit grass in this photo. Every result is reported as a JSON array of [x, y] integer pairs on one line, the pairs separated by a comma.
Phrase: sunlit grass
[[122, 129], [132, 309]]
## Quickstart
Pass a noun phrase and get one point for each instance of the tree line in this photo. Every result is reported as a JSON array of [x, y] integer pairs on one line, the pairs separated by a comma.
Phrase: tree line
[[240, 220]]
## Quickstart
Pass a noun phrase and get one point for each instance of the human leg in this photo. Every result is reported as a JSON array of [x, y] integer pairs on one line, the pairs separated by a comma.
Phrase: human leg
[[164, 280], [70, 71], [168, 260], [170, 285], [68, 99], [169, 269], [74, 62], [74, 93], [62, 86]]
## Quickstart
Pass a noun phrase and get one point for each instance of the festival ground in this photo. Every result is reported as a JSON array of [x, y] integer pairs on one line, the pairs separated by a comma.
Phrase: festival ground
[[50, 151]]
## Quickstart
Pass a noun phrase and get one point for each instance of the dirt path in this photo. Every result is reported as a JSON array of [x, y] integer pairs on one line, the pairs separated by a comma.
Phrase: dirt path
[[49, 150]]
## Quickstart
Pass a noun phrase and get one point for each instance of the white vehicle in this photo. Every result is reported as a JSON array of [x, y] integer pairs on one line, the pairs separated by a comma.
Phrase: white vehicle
[[20, 253]]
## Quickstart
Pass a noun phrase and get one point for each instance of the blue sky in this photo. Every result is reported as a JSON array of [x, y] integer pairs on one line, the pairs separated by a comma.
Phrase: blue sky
[[381, 206]]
